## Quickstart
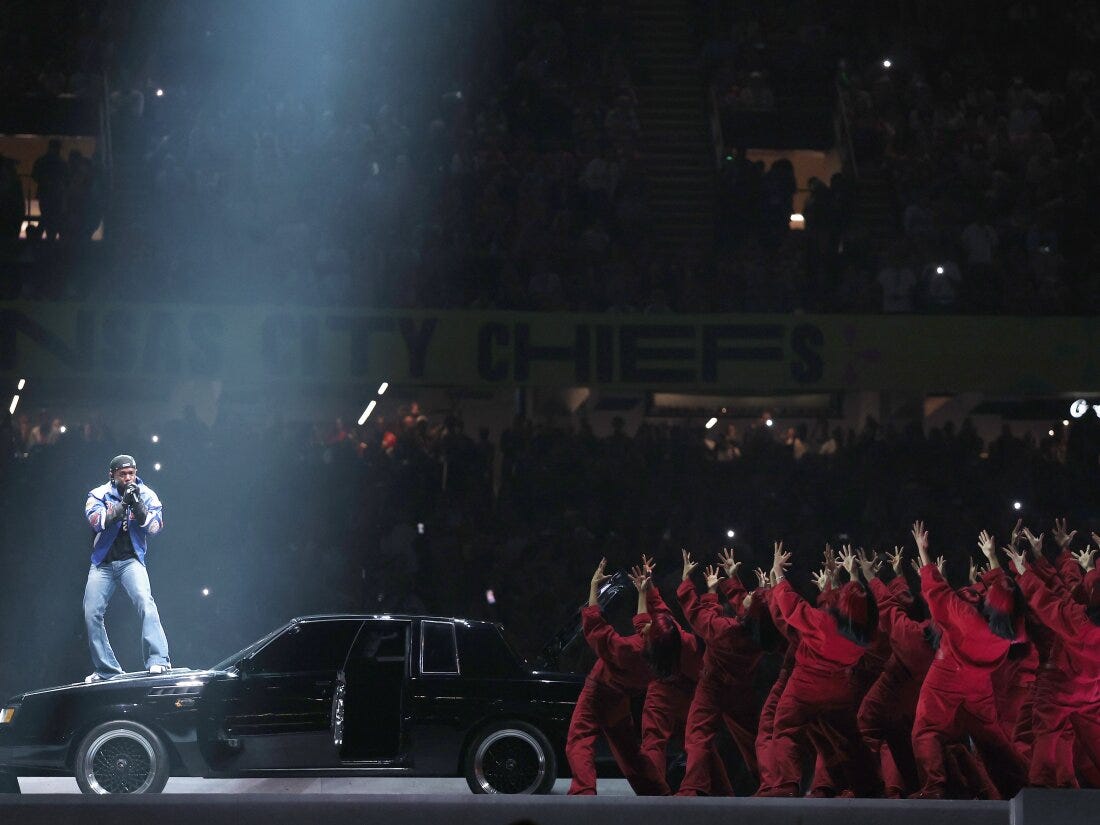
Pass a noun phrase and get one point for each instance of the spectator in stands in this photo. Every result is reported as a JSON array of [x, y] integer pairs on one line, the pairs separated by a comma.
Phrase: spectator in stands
[[756, 94], [777, 202], [941, 282], [50, 175], [897, 280], [12, 209], [979, 244]]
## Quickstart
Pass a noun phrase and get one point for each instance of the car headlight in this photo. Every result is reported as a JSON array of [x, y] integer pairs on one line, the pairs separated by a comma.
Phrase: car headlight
[[6, 715]]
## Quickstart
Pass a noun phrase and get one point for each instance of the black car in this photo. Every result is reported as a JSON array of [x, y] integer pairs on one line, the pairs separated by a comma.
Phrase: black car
[[332, 695]]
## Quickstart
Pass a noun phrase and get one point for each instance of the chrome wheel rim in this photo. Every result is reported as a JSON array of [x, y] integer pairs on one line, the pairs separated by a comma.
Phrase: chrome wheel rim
[[120, 761], [509, 761]]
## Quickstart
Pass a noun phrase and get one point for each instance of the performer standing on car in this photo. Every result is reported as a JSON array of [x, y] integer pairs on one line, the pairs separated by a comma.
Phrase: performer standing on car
[[124, 513]]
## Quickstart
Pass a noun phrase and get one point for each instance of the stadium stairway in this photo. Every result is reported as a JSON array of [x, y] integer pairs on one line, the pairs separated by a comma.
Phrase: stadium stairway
[[676, 145]]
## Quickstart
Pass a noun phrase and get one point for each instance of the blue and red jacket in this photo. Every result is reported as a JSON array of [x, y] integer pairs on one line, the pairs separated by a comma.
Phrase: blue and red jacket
[[95, 509]]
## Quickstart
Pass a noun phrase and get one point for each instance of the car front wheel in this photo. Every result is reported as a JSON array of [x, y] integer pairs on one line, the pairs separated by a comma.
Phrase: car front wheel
[[121, 757], [512, 758]]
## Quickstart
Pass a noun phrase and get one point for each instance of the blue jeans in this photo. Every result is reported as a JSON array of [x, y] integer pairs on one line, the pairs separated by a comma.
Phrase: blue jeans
[[102, 582]]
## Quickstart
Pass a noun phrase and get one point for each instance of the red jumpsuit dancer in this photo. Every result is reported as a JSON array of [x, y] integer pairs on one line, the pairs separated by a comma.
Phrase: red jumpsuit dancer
[[603, 707], [821, 689], [823, 783], [886, 716], [765, 756], [956, 698], [668, 699], [1067, 711], [725, 689]]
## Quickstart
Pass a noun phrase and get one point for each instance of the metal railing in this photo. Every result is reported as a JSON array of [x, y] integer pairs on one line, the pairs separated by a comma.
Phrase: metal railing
[[844, 130]]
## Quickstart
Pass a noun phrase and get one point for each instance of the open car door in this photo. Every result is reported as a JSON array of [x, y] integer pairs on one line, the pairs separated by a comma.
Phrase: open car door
[[369, 702]]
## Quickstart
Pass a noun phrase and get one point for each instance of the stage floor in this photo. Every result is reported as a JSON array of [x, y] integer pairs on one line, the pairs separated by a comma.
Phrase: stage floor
[[403, 801], [351, 785]]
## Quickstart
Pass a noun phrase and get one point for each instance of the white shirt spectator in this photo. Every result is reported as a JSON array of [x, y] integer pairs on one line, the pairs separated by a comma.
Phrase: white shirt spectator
[[898, 283], [943, 279]]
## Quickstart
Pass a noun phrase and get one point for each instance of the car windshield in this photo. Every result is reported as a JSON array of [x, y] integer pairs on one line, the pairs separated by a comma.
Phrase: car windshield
[[248, 651]]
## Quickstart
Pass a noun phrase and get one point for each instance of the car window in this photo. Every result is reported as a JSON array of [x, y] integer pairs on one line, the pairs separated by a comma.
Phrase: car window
[[483, 653], [437, 648], [381, 641], [306, 647], [247, 651]]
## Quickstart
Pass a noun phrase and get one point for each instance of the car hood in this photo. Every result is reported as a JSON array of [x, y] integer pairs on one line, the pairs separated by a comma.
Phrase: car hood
[[172, 677]]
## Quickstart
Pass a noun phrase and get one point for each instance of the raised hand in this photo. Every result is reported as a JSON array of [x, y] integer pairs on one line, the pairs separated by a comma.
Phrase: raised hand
[[780, 561], [847, 560], [986, 545], [1036, 543], [896, 558], [648, 565], [727, 561], [916, 565], [640, 577], [829, 558], [761, 578], [940, 562], [599, 577], [1062, 534], [920, 536], [689, 565], [713, 573], [1086, 558], [1018, 559], [972, 571], [869, 567], [821, 580], [1017, 532]]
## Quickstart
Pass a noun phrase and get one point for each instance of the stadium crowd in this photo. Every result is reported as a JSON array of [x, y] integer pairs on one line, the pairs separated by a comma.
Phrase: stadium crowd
[[505, 165]]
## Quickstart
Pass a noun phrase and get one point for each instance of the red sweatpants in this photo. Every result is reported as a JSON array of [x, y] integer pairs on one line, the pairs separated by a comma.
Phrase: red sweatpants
[[602, 710], [765, 755], [821, 706], [947, 711], [718, 699], [1013, 686], [885, 719], [664, 716], [1066, 737]]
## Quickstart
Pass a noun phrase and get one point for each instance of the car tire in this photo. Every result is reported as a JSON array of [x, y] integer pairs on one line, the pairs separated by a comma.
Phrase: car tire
[[121, 758], [511, 758], [9, 783]]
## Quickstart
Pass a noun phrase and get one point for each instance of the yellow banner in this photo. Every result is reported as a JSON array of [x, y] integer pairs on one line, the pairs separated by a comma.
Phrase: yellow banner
[[256, 346]]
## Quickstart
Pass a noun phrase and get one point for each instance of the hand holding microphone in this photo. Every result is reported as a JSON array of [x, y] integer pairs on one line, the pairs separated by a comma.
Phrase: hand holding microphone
[[132, 498]]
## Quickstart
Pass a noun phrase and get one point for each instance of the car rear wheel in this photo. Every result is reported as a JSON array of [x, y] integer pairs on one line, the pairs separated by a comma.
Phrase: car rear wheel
[[121, 757], [512, 758]]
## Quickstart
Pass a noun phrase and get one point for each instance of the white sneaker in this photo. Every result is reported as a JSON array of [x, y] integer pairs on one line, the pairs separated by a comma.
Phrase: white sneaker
[[94, 677], [156, 670]]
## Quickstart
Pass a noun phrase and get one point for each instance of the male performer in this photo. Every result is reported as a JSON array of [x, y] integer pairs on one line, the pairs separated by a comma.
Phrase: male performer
[[124, 512]]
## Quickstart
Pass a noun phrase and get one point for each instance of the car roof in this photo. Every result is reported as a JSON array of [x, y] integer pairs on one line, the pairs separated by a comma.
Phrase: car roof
[[327, 617]]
